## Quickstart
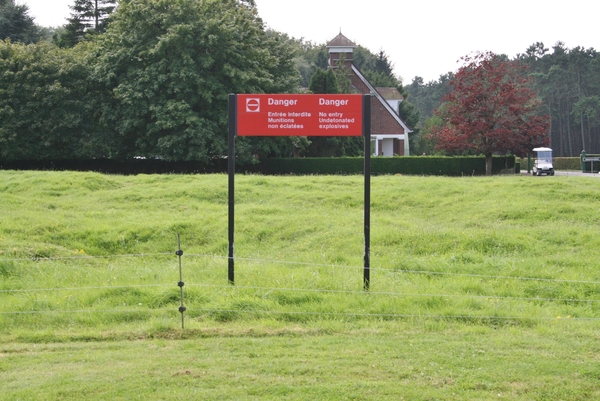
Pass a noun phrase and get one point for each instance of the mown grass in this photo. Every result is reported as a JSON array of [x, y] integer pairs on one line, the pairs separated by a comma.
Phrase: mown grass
[[481, 288]]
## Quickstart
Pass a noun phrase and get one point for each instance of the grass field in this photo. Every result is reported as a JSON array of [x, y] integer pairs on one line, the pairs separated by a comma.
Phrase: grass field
[[481, 288]]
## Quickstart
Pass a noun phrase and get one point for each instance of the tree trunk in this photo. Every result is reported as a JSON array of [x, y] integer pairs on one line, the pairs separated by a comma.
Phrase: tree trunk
[[97, 16], [579, 96], [566, 109], [488, 164]]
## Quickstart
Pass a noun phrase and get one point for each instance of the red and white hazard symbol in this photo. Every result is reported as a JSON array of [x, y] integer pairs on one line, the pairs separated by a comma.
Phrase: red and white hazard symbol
[[252, 105]]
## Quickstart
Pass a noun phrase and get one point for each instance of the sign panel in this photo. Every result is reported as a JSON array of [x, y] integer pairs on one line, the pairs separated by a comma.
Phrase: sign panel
[[299, 115]]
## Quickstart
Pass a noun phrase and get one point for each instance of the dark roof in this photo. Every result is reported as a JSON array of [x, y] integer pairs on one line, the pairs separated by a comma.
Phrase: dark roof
[[389, 93], [340, 41]]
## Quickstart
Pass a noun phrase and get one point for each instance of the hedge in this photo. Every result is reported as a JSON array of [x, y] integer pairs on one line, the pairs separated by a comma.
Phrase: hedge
[[129, 167], [419, 165]]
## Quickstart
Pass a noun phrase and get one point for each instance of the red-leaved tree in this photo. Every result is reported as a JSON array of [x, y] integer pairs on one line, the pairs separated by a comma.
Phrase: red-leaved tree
[[491, 109]]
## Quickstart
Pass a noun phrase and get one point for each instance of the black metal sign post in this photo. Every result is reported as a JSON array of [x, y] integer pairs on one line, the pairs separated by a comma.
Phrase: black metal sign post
[[367, 174], [231, 171], [366, 129]]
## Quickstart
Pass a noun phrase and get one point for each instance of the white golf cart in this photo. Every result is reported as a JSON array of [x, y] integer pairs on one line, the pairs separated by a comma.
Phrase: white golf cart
[[543, 162]]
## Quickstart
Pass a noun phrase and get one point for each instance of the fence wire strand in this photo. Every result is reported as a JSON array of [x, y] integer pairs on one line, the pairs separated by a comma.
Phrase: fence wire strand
[[328, 265], [315, 290]]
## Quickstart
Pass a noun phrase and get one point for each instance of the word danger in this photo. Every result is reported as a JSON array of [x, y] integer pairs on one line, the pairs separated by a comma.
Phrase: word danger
[[282, 102], [333, 102]]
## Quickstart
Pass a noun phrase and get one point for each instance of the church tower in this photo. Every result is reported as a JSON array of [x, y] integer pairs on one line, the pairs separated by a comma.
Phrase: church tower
[[340, 48]]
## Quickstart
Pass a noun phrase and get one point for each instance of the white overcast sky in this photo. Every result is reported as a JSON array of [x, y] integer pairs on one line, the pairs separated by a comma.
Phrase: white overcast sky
[[420, 37]]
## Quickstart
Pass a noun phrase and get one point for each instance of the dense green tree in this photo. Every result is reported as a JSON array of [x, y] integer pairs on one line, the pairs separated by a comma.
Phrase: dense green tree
[[410, 115], [425, 142], [70, 34], [47, 33], [310, 57], [16, 24], [364, 59], [323, 82], [426, 97], [46, 104], [169, 65]]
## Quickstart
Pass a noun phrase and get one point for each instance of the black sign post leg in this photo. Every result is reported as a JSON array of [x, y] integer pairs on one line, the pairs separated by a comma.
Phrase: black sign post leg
[[367, 173], [231, 170]]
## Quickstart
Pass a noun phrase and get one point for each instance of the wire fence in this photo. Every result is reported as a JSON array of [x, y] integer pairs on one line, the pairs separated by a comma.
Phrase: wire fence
[[308, 264], [315, 290], [213, 280]]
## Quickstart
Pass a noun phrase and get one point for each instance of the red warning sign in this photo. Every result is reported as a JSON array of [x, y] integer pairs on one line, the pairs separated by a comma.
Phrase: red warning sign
[[299, 115]]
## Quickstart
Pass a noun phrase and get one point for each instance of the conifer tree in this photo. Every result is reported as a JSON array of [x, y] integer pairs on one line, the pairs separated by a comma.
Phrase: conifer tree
[[16, 24], [87, 17]]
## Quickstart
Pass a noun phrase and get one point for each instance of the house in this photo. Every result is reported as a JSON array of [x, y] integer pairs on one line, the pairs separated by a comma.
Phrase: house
[[388, 132]]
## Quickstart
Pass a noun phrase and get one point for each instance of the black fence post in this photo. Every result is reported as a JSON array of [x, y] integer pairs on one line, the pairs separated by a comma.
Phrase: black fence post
[[179, 253]]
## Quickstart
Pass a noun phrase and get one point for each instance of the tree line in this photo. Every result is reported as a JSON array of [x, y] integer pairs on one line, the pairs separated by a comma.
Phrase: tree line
[[567, 82], [150, 79]]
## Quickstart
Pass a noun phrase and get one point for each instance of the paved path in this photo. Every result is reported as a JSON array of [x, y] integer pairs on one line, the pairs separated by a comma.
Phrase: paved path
[[569, 173]]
